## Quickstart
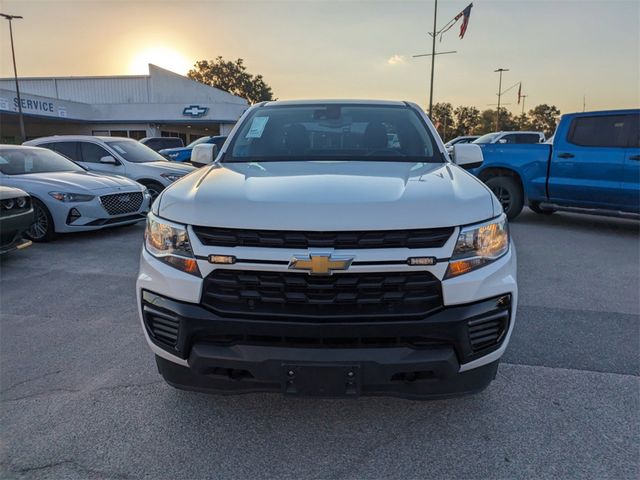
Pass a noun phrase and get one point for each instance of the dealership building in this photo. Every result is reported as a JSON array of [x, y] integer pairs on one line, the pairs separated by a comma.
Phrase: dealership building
[[162, 103]]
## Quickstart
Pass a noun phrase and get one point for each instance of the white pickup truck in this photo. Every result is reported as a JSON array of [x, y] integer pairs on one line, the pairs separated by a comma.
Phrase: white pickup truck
[[317, 257]]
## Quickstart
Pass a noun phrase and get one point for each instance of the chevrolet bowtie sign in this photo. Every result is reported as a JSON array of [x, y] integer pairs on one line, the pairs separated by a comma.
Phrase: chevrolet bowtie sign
[[195, 111], [319, 264]]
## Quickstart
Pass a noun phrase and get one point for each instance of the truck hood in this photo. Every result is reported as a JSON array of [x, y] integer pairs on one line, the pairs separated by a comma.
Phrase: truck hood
[[326, 196], [166, 151]]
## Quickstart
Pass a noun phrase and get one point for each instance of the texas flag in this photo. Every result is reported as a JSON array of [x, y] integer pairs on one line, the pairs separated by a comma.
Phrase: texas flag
[[465, 21]]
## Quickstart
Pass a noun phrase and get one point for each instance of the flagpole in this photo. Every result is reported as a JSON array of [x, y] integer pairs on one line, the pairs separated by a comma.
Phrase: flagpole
[[433, 55]]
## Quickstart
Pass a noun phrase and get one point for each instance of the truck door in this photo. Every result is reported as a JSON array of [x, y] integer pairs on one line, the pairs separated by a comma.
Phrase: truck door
[[631, 182], [587, 164]]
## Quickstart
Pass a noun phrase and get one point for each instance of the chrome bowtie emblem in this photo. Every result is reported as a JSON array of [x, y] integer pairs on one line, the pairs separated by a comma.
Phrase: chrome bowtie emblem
[[319, 264]]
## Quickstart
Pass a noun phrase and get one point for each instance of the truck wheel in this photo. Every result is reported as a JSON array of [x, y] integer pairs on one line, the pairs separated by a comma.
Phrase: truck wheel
[[535, 206], [509, 193], [41, 230]]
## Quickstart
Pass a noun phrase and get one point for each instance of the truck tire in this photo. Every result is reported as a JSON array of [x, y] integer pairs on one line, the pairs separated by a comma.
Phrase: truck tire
[[535, 206], [509, 193]]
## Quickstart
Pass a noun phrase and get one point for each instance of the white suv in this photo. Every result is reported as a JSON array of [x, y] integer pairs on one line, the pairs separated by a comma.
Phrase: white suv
[[331, 249], [117, 156]]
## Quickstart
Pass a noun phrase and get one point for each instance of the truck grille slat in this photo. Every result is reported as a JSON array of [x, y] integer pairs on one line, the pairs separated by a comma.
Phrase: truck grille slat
[[228, 237], [121, 203], [346, 295], [487, 331]]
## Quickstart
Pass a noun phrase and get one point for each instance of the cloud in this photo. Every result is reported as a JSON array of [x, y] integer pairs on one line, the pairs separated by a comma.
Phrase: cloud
[[396, 60]]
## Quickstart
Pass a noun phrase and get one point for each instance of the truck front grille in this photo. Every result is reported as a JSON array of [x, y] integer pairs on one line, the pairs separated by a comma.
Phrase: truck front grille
[[230, 237], [345, 295], [120, 203]]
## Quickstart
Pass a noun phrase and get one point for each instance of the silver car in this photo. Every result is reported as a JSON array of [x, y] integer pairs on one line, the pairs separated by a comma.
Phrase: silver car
[[68, 198], [117, 156]]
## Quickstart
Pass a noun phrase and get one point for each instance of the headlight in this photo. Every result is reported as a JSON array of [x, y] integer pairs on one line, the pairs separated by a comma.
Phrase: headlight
[[71, 197], [21, 202], [8, 204], [169, 243], [172, 177], [479, 245]]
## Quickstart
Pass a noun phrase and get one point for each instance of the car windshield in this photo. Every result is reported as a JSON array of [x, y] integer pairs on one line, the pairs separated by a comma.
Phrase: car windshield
[[135, 152], [488, 138], [338, 132], [20, 161], [198, 142]]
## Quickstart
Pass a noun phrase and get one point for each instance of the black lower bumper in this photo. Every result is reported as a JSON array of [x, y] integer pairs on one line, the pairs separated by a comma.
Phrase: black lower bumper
[[12, 229], [417, 358]]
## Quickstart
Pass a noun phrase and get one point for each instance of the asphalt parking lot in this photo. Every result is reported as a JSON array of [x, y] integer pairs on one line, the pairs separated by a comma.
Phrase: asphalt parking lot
[[81, 397]]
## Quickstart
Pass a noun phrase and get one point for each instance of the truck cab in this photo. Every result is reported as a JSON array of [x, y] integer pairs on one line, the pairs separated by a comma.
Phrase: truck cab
[[593, 165]]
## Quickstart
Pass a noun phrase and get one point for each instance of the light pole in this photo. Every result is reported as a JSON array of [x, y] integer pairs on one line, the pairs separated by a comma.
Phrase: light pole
[[499, 70], [15, 74]]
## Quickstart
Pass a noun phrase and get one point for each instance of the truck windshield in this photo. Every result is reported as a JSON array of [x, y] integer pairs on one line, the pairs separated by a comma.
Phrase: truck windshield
[[136, 152], [334, 132], [488, 138]]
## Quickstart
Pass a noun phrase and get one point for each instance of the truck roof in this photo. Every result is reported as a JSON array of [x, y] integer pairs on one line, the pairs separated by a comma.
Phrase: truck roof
[[337, 101]]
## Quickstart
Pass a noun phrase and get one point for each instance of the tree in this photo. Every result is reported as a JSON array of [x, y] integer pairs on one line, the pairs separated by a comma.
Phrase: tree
[[544, 118], [467, 120], [231, 77], [442, 118]]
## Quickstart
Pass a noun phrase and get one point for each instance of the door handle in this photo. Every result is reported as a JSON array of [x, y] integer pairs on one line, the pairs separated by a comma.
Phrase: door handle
[[566, 155], [634, 157]]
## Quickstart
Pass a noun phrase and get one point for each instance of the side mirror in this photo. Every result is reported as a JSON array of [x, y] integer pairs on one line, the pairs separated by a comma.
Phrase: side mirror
[[204, 154], [467, 155], [108, 159]]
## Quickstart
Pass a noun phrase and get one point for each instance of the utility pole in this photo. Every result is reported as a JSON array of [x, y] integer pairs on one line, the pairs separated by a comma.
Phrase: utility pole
[[433, 55], [523, 97], [499, 70], [15, 74]]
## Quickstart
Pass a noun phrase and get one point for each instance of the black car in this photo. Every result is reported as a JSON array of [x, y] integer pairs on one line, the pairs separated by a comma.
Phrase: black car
[[160, 143], [16, 216]]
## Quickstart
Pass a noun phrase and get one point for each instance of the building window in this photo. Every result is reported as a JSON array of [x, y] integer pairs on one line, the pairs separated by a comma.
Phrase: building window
[[100, 133], [137, 134], [119, 133]]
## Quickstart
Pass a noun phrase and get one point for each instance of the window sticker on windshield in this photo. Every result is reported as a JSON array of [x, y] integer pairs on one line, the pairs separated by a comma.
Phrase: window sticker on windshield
[[4, 161], [257, 127], [119, 149]]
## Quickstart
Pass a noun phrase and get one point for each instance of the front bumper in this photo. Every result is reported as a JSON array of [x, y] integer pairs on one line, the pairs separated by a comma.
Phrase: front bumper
[[11, 230], [417, 358], [412, 358], [93, 215]]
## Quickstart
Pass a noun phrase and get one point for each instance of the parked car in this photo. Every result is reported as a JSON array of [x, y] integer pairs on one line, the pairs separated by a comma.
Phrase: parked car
[[159, 143], [117, 156], [184, 154], [593, 164], [16, 216], [319, 256], [510, 137], [67, 197], [463, 139]]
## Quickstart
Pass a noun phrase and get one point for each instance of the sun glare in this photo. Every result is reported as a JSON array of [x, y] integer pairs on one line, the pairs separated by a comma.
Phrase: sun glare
[[161, 56]]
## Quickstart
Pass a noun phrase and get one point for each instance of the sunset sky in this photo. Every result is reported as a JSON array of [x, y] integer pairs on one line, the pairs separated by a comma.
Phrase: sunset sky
[[560, 50]]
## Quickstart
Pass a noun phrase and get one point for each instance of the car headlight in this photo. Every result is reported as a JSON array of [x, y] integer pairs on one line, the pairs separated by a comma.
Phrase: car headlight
[[72, 197], [169, 243], [172, 177], [479, 245]]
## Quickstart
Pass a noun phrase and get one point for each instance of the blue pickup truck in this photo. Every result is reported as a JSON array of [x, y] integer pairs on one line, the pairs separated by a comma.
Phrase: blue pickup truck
[[593, 163], [183, 154]]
